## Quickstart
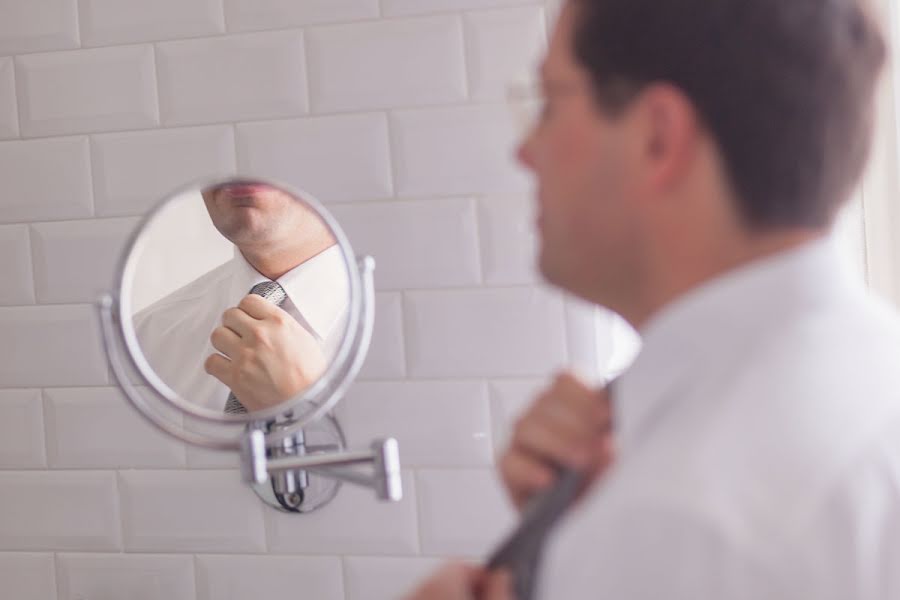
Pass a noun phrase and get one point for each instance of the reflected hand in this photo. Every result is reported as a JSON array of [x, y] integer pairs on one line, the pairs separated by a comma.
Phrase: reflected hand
[[457, 581], [569, 425], [266, 355]]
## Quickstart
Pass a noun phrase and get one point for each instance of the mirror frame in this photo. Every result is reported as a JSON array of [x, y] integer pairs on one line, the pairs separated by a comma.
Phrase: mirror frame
[[117, 322]]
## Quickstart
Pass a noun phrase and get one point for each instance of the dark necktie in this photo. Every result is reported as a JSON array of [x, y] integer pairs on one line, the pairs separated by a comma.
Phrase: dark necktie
[[274, 293], [521, 551]]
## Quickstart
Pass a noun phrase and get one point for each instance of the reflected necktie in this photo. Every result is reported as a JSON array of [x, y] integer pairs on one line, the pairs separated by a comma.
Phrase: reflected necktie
[[274, 293]]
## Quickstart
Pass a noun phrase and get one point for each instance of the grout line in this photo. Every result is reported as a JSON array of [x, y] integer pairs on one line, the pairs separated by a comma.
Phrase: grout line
[[467, 57], [29, 247], [495, 103], [344, 585], [392, 150], [414, 478], [156, 87], [224, 13], [480, 220], [45, 401], [196, 573], [121, 520], [56, 574]]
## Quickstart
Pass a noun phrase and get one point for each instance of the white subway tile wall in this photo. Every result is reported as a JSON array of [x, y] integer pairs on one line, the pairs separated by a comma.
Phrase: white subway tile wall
[[391, 112]]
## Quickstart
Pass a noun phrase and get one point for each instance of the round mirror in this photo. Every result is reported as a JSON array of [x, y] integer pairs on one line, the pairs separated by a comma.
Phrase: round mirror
[[240, 301], [241, 304]]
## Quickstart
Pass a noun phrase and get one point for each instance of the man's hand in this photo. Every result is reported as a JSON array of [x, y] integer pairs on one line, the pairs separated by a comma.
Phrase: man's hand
[[267, 356], [458, 581], [569, 425]]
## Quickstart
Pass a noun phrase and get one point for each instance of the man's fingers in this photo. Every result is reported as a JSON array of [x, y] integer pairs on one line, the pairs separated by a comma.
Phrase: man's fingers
[[497, 585], [239, 322], [551, 444], [524, 475], [225, 341], [219, 367], [258, 307]]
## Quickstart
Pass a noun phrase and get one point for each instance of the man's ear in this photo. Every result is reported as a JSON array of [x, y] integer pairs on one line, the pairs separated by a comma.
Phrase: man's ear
[[669, 131]]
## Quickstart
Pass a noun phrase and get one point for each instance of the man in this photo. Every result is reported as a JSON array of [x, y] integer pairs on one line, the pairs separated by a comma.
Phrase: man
[[691, 157], [211, 338]]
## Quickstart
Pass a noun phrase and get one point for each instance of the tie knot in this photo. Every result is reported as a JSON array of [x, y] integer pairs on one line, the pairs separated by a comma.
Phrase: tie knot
[[270, 290]]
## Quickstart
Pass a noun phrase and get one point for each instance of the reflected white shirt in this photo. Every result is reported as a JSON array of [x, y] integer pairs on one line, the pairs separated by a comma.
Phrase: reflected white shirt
[[174, 332], [759, 436]]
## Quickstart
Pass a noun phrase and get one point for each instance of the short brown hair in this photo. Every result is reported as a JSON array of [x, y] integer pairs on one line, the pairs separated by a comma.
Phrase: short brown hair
[[785, 86]]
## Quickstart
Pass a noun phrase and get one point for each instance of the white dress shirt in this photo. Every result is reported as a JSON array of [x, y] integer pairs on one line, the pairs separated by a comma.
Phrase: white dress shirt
[[174, 332], [759, 448]]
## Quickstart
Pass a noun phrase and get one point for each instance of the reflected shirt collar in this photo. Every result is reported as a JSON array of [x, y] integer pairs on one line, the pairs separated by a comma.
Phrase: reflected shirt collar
[[715, 320], [318, 289]]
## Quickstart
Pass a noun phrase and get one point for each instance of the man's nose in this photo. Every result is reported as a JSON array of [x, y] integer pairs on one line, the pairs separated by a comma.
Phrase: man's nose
[[525, 154]]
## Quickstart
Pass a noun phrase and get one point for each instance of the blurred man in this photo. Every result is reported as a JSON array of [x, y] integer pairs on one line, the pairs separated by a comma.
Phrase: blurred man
[[691, 157], [260, 351]]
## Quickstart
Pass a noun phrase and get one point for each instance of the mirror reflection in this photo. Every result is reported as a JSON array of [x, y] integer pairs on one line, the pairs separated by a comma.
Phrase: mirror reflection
[[241, 296]]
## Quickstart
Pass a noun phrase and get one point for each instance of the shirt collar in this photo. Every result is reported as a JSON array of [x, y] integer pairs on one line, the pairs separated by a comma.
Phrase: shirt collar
[[680, 342], [319, 288]]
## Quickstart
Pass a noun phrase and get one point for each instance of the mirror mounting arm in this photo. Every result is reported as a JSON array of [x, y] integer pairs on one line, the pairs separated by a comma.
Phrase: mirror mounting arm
[[383, 455]]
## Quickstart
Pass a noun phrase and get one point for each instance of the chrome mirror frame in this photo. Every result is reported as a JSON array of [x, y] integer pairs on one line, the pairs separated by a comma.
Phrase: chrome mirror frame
[[117, 327]]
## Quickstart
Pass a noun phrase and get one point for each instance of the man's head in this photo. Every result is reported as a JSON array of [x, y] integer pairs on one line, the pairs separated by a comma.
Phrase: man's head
[[253, 213], [271, 228], [668, 120]]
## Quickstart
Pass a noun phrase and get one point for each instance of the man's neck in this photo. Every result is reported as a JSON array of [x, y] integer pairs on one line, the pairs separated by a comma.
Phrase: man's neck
[[274, 263], [680, 273]]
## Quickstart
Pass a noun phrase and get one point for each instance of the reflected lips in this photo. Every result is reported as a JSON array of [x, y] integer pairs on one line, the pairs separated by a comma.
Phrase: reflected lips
[[243, 189]]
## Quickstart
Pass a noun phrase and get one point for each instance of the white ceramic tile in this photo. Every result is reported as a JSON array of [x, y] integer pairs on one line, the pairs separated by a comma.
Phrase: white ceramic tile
[[105, 89], [21, 430], [47, 346], [334, 158], [137, 576], [355, 522], [247, 15], [386, 358], [252, 76], [45, 180], [464, 513], [435, 423], [58, 510], [191, 511], [201, 458], [135, 170], [392, 8], [106, 22], [417, 244], [38, 26], [509, 242], [490, 332], [503, 47], [385, 578], [28, 576], [126, 440], [222, 577], [76, 261], [459, 150], [15, 264], [381, 65], [509, 400], [9, 114]]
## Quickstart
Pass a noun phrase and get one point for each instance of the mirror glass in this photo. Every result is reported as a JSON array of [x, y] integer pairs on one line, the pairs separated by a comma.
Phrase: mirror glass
[[240, 295]]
